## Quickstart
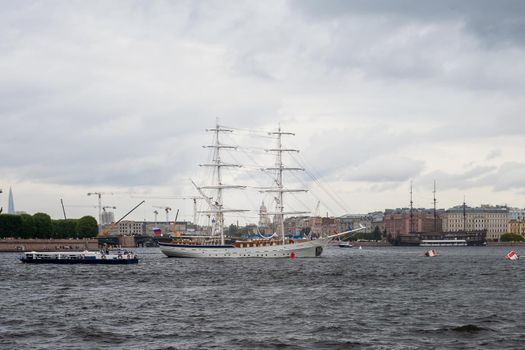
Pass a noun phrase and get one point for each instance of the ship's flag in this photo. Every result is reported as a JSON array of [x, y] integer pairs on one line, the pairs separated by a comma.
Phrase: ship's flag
[[512, 255]]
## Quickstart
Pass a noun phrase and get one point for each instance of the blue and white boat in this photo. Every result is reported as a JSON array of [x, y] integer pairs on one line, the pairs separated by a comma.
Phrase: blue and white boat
[[121, 257]]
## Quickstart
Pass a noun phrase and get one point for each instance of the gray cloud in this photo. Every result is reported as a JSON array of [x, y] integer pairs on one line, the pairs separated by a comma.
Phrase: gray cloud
[[510, 175], [386, 169], [494, 154], [507, 176], [495, 23], [470, 178], [447, 43], [118, 93]]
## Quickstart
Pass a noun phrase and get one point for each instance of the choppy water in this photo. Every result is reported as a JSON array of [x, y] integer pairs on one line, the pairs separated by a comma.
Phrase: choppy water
[[375, 298]]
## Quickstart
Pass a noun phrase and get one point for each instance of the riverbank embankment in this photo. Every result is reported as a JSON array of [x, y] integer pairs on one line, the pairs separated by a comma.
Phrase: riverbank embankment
[[24, 245]]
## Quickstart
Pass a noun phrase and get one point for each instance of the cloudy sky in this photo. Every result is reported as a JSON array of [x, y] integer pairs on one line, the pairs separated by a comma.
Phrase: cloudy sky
[[114, 96]]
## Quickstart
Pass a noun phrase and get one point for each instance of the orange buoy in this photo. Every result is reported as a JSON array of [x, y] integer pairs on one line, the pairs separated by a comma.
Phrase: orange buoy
[[292, 255]]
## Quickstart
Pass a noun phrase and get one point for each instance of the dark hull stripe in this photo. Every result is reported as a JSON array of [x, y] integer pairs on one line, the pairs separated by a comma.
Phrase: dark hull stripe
[[81, 261]]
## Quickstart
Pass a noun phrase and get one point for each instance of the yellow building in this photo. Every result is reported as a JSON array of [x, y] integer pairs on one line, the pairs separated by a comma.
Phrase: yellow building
[[494, 219], [517, 227]]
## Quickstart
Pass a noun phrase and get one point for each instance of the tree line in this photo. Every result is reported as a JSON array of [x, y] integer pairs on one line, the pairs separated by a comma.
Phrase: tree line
[[40, 225]]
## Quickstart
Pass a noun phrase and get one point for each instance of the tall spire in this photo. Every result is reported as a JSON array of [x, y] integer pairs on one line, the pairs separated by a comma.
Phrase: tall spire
[[11, 203]]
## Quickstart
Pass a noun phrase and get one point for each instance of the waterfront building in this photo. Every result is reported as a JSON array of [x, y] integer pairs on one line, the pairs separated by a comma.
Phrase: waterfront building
[[370, 221], [493, 219], [403, 221], [130, 228], [323, 226], [516, 214], [316, 226], [352, 221], [297, 225], [148, 228], [517, 227]]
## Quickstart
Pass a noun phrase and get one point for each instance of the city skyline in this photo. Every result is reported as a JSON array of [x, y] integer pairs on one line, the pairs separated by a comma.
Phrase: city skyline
[[114, 97]]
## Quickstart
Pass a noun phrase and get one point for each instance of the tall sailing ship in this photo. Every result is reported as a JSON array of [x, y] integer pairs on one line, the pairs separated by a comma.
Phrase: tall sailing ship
[[277, 246]]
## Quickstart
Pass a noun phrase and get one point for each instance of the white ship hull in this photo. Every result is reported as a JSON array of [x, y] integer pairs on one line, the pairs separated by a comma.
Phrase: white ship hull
[[307, 249]]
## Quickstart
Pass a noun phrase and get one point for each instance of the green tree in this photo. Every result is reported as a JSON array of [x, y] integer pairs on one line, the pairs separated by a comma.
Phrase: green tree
[[87, 227], [511, 237], [65, 228], [43, 225], [376, 235], [10, 225], [360, 235], [27, 229]]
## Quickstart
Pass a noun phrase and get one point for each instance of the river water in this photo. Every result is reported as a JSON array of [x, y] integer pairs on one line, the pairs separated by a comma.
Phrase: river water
[[374, 298]]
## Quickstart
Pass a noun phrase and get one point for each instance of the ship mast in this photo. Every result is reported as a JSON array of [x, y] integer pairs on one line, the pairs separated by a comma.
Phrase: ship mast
[[411, 211], [464, 215], [217, 206], [280, 190], [435, 212]]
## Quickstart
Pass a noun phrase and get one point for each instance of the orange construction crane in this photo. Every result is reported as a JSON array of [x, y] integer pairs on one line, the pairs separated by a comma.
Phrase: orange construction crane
[[109, 228]]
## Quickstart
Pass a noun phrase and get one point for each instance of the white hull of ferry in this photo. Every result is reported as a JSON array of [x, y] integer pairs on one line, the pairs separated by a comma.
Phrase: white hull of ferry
[[307, 249]]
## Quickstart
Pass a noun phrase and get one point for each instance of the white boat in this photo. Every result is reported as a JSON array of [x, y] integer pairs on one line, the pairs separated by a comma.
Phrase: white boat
[[86, 257], [250, 249], [345, 244], [443, 243], [278, 246]]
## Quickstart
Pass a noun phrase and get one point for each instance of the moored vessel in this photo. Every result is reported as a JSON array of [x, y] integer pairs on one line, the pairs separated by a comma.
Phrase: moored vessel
[[443, 243], [345, 244], [279, 245], [121, 257]]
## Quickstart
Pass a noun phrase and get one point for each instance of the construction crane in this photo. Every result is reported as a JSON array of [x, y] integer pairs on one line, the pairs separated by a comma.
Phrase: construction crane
[[193, 198], [167, 210], [174, 230], [61, 202], [156, 213], [108, 229], [99, 195]]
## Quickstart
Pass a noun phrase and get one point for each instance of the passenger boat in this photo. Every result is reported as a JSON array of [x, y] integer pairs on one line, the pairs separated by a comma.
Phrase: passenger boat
[[279, 245], [121, 257], [443, 243]]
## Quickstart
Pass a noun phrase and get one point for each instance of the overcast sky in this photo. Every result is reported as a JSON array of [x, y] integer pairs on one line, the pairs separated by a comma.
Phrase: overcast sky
[[115, 96]]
